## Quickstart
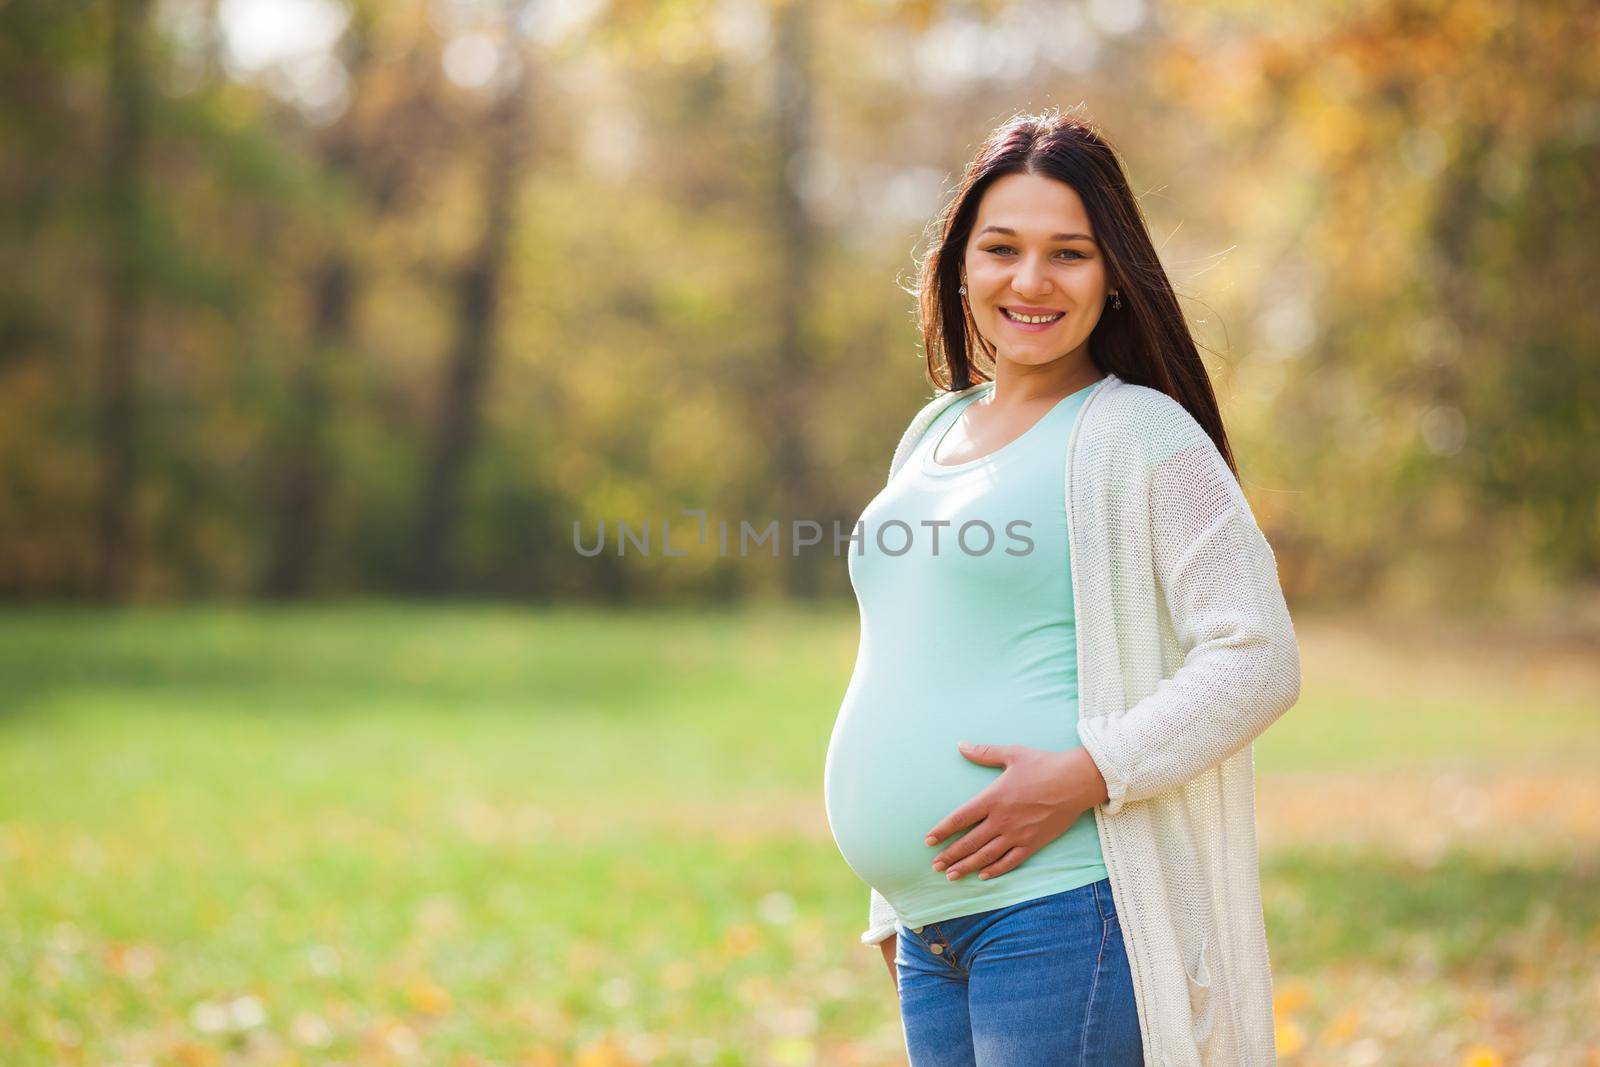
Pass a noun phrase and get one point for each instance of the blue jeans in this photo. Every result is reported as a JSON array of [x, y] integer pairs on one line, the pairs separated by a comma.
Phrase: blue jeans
[[1044, 983]]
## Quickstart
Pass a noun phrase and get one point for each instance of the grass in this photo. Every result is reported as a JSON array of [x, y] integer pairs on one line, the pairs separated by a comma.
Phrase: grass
[[470, 836]]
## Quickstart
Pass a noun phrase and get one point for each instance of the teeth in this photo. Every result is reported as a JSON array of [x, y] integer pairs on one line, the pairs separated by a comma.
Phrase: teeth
[[1031, 318]]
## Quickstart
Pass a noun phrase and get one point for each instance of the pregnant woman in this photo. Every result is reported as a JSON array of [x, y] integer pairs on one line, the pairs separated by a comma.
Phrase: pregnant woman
[[1071, 632]]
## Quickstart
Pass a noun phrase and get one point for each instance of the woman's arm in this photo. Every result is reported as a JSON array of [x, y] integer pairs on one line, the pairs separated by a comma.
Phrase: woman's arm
[[1242, 669]]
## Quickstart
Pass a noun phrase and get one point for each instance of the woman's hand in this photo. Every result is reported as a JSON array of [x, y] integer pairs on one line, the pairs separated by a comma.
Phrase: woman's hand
[[889, 945], [1040, 795]]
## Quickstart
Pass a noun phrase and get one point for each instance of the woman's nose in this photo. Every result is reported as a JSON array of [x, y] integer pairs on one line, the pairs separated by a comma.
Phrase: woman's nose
[[1030, 280]]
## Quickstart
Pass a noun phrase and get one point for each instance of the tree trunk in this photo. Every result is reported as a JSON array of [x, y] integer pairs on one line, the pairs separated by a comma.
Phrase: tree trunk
[[785, 408], [477, 288], [115, 425], [303, 473]]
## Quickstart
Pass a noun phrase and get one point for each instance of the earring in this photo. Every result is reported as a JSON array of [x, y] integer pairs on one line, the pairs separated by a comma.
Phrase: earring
[[962, 290], [1116, 301]]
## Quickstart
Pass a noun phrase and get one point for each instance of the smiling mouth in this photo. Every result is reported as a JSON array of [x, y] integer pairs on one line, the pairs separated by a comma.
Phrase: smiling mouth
[[1030, 320]]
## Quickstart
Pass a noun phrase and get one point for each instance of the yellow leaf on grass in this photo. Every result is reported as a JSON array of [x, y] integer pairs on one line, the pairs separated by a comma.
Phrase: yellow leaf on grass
[[1481, 1056], [195, 1055], [428, 997], [1290, 997], [604, 1054], [1342, 1027], [740, 939], [1291, 1038]]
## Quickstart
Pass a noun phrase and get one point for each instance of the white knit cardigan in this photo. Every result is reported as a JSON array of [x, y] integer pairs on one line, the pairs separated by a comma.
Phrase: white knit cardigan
[[1185, 655]]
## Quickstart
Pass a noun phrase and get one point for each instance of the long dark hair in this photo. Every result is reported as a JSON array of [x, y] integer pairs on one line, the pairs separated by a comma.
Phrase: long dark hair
[[1146, 342]]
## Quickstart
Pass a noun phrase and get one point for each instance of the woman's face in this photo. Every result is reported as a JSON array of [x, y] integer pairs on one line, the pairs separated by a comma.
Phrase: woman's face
[[1033, 252]]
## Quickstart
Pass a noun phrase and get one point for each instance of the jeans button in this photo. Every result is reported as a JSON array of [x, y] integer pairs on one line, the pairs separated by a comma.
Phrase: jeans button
[[935, 949], [916, 929]]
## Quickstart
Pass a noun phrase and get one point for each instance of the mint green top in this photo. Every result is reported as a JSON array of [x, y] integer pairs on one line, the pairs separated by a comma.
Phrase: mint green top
[[964, 637]]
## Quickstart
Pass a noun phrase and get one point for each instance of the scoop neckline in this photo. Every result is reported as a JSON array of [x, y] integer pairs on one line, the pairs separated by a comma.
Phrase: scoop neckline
[[933, 466]]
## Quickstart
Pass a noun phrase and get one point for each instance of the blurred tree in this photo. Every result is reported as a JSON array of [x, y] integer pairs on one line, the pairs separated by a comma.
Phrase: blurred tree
[[1459, 214], [123, 294], [379, 151], [476, 285], [1380, 221], [786, 409]]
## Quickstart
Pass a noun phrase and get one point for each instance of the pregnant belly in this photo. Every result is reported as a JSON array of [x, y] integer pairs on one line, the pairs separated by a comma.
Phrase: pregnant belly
[[882, 799], [888, 782]]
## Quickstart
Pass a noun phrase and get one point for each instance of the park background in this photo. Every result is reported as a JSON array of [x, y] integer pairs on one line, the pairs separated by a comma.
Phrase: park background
[[323, 321]]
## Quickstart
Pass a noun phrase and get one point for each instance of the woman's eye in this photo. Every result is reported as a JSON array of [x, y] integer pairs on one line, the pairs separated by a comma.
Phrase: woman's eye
[[1068, 252]]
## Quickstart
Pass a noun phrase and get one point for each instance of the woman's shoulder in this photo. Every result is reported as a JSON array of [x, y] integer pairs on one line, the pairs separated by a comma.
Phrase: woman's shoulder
[[1135, 429], [1146, 417], [1132, 400]]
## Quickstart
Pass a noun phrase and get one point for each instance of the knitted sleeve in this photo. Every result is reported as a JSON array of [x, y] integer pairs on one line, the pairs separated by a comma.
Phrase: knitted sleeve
[[1241, 666]]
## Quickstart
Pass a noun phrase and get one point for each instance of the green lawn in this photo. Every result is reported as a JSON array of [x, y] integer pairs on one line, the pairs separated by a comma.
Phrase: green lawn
[[393, 834]]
